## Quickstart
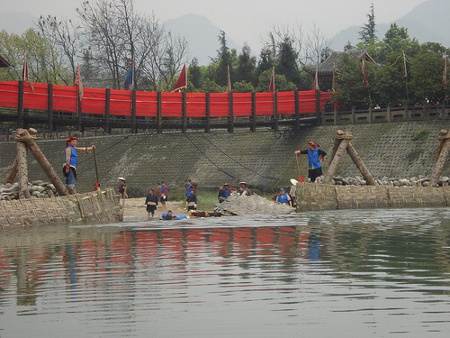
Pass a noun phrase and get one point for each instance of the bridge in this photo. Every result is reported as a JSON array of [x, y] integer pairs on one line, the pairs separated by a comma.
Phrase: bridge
[[56, 107]]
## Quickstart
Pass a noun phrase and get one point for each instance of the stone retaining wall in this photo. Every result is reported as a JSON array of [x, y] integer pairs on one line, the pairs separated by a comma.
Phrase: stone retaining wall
[[401, 150]]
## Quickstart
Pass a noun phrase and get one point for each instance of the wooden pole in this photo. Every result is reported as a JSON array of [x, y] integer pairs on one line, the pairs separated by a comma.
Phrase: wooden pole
[[442, 156], [22, 170], [336, 159], [12, 172], [25, 138], [360, 165]]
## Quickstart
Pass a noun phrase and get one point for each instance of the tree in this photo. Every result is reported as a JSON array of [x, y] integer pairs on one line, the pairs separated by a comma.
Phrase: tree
[[223, 61], [44, 62], [115, 35], [367, 32], [246, 65], [194, 74]]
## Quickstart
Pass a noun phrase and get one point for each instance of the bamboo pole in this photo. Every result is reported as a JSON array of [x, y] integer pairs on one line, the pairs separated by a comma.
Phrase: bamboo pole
[[442, 156], [360, 165]]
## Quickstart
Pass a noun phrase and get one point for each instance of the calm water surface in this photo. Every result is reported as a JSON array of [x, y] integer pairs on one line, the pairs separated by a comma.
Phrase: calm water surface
[[377, 273]]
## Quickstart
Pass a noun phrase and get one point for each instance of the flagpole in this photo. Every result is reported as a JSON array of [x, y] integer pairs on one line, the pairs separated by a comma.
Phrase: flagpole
[[405, 75]]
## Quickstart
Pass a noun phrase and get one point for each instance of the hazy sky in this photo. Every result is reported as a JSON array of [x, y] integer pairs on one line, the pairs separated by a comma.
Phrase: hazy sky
[[247, 20]]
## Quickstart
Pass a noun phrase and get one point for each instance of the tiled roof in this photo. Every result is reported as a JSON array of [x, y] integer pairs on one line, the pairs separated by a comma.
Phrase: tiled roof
[[326, 67]]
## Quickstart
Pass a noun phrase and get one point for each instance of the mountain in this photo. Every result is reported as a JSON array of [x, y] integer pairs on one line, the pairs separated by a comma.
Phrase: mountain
[[202, 36], [427, 22]]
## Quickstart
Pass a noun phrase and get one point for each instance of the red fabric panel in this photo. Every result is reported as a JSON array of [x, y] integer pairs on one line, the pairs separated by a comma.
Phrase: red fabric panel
[[65, 98], [286, 103], [196, 104], [35, 96], [264, 104], [94, 101], [120, 102], [9, 93], [172, 104], [219, 105], [242, 104], [324, 98], [146, 104], [307, 101]]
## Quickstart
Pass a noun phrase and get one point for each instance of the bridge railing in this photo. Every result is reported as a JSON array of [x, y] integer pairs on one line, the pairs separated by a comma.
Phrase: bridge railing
[[38, 102]]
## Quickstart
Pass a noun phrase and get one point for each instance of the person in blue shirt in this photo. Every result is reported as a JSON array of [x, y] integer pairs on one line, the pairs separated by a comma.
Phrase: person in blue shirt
[[284, 198], [71, 162], [315, 160]]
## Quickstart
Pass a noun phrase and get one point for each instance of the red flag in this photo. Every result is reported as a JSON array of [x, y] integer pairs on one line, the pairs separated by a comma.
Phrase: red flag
[[272, 81], [182, 80], [365, 81], [228, 80], [25, 70], [444, 73], [79, 83]]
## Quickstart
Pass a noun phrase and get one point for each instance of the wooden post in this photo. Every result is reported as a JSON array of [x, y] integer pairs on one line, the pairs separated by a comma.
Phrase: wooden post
[[208, 112], [341, 142], [253, 117], [12, 172], [108, 110], [231, 113], [360, 165], [297, 109], [22, 170], [337, 142], [26, 139], [442, 155], [51, 125], [159, 112], [133, 112], [184, 112]]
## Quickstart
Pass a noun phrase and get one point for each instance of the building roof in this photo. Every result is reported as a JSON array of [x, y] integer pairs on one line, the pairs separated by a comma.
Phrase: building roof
[[4, 62], [326, 67]]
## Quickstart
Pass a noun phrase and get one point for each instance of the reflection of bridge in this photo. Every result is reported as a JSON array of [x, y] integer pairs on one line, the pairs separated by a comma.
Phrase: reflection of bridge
[[55, 106]]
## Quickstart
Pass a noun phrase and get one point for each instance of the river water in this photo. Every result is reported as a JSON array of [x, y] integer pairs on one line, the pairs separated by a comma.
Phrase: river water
[[355, 273]]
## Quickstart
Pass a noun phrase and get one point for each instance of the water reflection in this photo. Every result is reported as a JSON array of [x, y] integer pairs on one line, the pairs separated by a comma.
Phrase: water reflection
[[351, 271]]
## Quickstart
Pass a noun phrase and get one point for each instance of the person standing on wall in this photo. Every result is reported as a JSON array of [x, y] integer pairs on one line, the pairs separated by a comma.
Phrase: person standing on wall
[[315, 160], [71, 162]]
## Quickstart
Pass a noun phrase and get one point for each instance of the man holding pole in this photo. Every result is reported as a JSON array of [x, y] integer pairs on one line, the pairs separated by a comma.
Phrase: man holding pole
[[315, 160], [71, 162]]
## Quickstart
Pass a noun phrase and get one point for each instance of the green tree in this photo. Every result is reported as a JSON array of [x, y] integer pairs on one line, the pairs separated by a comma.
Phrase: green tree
[[194, 74], [367, 32], [246, 65], [44, 62]]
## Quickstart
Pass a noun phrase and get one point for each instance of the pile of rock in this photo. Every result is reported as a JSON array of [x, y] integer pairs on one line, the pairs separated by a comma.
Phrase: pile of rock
[[395, 182], [38, 189]]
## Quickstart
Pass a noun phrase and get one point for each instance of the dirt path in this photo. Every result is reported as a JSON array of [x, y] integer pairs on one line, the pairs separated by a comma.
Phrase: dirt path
[[135, 209]]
